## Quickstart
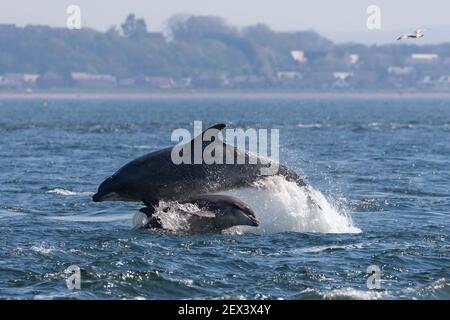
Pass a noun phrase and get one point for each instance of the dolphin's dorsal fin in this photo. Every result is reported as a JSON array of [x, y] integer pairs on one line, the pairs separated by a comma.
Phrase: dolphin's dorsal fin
[[219, 127]]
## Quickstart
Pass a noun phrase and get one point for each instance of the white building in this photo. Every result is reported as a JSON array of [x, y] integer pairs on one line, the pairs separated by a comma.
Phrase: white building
[[30, 78], [18, 80], [342, 75], [93, 80], [400, 71], [424, 57], [299, 56], [352, 58], [439, 80], [289, 75]]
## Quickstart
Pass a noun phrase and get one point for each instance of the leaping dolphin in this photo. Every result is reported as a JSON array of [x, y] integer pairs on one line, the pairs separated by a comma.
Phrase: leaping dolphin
[[217, 213], [154, 177]]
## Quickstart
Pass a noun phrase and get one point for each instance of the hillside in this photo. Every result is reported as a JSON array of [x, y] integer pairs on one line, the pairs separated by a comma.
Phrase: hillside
[[210, 53]]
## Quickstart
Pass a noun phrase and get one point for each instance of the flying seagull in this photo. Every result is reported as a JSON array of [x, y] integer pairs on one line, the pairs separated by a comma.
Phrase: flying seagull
[[417, 34]]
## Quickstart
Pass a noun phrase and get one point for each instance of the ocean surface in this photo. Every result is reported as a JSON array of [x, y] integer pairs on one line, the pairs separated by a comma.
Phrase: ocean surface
[[379, 168]]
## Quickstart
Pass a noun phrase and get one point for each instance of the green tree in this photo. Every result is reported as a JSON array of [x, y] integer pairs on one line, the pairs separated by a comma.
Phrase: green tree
[[133, 27]]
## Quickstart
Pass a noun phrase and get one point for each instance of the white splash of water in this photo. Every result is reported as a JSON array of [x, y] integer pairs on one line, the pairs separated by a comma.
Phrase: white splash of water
[[172, 215], [139, 220], [352, 293], [283, 206], [310, 125], [43, 249], [64, 192]]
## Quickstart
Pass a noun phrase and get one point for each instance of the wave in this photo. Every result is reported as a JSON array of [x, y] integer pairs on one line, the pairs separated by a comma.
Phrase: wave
[[138, 146], [8, 213], [92, 218], [439, 289], [329, 248], [346, 293], [65, 192], [310, 125], [362, 126]]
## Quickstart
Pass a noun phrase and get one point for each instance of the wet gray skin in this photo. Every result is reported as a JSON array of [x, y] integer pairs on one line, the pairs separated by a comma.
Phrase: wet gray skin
[[154, 177]]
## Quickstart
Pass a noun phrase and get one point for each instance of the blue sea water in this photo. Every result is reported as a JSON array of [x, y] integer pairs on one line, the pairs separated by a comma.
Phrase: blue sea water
[[379, 167]]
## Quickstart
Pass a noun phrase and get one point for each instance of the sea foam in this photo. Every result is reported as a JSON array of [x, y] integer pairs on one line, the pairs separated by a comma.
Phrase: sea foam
[[283, 206]]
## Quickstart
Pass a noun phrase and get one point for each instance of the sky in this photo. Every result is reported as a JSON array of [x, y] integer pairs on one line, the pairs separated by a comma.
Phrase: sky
[[341, 21]]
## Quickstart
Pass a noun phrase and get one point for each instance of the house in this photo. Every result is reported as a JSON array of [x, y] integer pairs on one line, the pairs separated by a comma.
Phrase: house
[[3, 82], [351, 58], [90, 80], [30, 79], [160, 82], [154, 82], [289, 75], [210, 81], [424, 57], [444, 79], [400, 71], [342, 75], [12, 81], [437, 81], [127, 82], [341, 80], [299, 56], [19, 80]]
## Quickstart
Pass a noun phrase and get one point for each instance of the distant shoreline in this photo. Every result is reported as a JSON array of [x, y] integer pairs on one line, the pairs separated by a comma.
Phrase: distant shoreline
[[211, 94]]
